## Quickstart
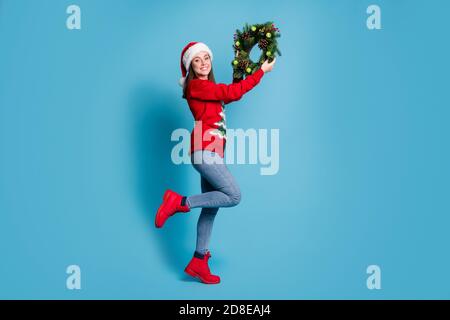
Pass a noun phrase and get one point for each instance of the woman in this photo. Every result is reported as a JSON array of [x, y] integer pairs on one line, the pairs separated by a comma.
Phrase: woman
[[208, 140]]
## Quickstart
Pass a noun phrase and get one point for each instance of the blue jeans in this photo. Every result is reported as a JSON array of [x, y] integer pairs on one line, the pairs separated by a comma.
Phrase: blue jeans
[[219, 189]]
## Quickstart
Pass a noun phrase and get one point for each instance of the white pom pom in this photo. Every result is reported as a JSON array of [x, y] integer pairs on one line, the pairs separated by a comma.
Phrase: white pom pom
[[182, 81]]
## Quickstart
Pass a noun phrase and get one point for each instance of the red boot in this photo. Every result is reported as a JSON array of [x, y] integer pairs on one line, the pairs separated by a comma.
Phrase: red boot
[[198, 268], [171, 204]]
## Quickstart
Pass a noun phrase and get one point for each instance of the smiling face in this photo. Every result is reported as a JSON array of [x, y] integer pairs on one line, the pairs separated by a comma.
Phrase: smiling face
[[201, 64]]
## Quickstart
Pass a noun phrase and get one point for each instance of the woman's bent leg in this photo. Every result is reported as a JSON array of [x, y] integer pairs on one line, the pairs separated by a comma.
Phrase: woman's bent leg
[[226, 192]]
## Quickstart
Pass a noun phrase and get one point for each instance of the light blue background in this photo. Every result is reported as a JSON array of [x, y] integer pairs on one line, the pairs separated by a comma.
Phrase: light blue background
[[85, 124]]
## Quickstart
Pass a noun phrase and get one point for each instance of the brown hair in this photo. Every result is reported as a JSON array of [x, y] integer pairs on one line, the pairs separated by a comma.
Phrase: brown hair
[[191, 75]]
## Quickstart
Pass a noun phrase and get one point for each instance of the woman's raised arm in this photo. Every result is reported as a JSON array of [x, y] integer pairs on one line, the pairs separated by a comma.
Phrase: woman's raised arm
[[207, 90]]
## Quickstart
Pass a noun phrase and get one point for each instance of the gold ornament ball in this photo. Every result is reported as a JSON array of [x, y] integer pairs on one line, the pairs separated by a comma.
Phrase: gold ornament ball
[[248, 70], [268, 35], [235, 62], [268, 53], [237, 43], [253, 28]]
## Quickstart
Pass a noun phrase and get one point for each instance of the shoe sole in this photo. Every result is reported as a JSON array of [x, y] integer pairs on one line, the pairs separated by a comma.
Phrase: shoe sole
[[156, 218], [194, 274], [165, 196]]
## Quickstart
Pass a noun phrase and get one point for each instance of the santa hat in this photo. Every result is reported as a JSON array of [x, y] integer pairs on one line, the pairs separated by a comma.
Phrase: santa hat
[[188, 54]]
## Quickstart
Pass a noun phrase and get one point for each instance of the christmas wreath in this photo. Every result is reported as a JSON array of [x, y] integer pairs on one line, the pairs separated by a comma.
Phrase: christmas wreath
[[265, 36]]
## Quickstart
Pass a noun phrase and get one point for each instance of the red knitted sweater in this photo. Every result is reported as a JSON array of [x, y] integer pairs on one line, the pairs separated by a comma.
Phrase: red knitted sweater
[[205, 101]]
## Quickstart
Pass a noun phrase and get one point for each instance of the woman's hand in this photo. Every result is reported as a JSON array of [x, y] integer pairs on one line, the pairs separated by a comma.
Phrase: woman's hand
[[267, 67]]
